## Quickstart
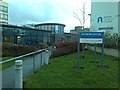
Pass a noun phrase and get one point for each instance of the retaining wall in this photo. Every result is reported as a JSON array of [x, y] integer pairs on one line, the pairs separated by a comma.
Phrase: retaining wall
[[107, 51]]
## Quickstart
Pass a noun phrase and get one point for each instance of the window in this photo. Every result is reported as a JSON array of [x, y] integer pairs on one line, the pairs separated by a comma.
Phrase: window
[[1, 16], [1, 29], [49, 27], [5, 9], [1, 8], [56, 31], [53, 27], [5, 16], [42, 28], [8, 39], [56, 27], [45, 27]]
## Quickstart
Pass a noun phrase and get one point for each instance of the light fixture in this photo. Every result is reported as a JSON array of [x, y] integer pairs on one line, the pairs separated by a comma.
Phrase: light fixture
[[18, 37]]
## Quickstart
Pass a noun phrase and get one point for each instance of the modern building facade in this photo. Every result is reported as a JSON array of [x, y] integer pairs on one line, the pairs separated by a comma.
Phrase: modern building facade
[[105, 16], [3, 12], [76, 30], [24, 35], [50, 34], [68, 37], [57, 31]]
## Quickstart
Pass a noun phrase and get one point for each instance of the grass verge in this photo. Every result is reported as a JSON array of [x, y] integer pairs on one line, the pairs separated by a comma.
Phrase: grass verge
[[60, 73], [8, 64]]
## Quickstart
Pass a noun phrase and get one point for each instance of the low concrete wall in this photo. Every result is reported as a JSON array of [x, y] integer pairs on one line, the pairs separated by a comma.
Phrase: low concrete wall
[[107, 51]]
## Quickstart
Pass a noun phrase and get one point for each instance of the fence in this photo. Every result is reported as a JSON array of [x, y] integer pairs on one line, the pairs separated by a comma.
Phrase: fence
[[33, 61]]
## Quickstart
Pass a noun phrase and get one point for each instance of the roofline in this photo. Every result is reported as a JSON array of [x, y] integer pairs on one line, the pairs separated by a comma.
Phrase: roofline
[[14, 26], [50, 24], [69, 33]]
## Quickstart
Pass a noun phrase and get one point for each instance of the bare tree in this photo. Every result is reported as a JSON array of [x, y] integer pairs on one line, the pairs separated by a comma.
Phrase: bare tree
[[81, 16]]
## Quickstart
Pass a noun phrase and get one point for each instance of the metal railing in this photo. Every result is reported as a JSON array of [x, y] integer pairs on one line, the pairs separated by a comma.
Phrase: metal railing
[[22, 56], [33, 61]]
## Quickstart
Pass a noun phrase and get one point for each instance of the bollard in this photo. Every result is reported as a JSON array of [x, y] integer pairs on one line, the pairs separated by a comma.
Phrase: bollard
[[41, 59], [47, 56], [50, 53], [18, 74], [33, 62]]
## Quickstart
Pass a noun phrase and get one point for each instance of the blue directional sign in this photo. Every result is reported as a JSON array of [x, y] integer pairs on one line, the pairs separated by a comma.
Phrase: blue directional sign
[[91, 37]]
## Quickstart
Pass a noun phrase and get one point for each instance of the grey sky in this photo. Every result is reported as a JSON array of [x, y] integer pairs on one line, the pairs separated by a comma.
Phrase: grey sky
[[42, 11]]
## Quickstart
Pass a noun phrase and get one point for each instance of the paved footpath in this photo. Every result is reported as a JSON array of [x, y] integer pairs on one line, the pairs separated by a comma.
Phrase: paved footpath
[[8, 75]]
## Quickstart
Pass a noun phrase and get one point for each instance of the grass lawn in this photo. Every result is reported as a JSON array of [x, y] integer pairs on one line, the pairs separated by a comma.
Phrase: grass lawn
[[8, 64], [60, 73]]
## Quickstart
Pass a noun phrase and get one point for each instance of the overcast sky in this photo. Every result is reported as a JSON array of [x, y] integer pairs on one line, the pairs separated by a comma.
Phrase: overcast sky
[[46, 11]]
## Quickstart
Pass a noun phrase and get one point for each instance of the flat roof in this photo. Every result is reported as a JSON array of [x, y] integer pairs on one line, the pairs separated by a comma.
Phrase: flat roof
[[69, 33], [21, 27], [50, 24]]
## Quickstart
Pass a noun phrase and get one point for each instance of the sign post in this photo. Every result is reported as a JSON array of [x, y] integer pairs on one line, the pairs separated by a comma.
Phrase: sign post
[[95, 53], [78, 59], [102, 66], [91, 37]]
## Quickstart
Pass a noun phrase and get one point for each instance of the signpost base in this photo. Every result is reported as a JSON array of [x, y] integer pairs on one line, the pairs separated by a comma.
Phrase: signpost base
[[83, 56], [102, 66], [94, 62], [77, 68]]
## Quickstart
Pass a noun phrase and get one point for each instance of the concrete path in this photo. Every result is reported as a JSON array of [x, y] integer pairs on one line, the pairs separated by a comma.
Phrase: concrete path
[[8, 75]]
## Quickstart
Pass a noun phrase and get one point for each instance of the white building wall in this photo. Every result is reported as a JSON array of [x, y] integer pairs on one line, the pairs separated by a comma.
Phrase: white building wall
[[119, 18], [104, 17]]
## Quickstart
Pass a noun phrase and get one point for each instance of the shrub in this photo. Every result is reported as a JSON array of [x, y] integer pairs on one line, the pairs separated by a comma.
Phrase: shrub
[[64, 48], [69, 45], [60, 52], [42, 45], [111, 40], [9, 49]]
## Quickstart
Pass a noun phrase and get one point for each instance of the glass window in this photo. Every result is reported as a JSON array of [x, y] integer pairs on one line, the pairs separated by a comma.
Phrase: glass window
[[56, 31], [36, 27], [56, 27], [5, 9], [62, 28], [45, 27], [19, 31], [1, 8], [59, 27], [8, 39], [49, 27], [8, 31], [42, 27], [1, 29], [1, 16], [53, 27], [5, 16]]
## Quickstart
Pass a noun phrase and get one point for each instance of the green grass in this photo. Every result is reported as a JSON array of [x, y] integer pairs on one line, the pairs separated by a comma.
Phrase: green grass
[[60, 73], [8, 64]]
